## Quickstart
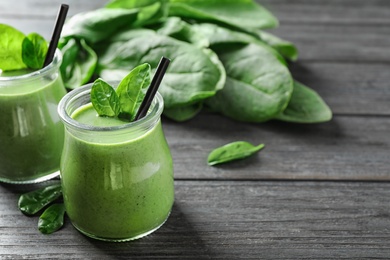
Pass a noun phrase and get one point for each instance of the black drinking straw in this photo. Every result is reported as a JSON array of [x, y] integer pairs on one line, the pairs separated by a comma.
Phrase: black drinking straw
[[152, 90], [56, 34]]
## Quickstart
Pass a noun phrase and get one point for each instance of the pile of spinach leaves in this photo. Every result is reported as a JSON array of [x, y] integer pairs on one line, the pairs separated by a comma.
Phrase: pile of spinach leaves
[[221, 57]]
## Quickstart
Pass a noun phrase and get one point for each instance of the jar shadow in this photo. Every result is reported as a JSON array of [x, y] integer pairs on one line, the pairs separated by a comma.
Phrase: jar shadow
[[177, 237]]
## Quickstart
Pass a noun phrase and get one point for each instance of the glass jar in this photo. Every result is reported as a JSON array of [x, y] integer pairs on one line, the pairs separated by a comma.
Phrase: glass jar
[[117, 180], [31, 132]]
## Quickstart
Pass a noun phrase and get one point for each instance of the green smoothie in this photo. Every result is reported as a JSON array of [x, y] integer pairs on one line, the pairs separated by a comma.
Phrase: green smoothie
[[117, 187], [31, 133]]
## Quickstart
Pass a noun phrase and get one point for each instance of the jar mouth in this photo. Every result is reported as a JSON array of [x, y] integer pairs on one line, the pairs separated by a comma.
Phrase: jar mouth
[[54, 65], [84, 94]]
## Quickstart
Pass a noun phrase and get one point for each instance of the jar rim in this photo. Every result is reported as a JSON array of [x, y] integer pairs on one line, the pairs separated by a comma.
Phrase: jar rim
[[55, 64], [157, 107]]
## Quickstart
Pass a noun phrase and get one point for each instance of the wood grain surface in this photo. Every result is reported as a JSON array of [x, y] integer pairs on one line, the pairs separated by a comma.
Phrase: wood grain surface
[[230, 220], [315, 192]]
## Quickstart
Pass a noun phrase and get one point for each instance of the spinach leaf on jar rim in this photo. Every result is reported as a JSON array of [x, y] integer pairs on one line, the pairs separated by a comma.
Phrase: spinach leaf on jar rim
[[11, 48], [104, 99], [132, 90], [34, 50]]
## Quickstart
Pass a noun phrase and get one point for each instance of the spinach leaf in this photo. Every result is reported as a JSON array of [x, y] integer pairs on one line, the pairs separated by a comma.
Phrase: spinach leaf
[[132, 90], [183, 31], [184, 113], [78, 63], [52, 219], [151, 11], [34, 50], [104, 99], [243, 14], [305, 106], [258, 86], [193, 75], [32, 202], [11, 48], [219, 36], [99, 24], [232, 151], [285, 48]]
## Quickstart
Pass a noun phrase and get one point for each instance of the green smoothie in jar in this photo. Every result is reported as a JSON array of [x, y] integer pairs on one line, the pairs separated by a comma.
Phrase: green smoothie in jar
[[117, 176]]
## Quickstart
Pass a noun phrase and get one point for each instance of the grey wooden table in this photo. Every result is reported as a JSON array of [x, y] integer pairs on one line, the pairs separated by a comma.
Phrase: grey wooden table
[[316, 191]]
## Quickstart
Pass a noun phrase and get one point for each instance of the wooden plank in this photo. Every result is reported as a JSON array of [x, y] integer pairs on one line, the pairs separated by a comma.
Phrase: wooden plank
[[341, 43], [348, 88], [44, 9], [230, 220], [373, 12], [347, 148]]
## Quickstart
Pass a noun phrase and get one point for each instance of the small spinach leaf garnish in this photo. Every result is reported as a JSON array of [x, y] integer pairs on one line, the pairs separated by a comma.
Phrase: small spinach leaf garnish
[[11, 48], [20, 52], [132, 90], [32, 202], [52, 219], [34, 49], [232, 151], [104, 99], [128, 97]]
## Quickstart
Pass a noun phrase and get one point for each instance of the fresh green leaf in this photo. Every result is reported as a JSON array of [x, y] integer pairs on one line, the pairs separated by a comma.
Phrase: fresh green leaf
[[183, 31], [34, 50], [99, 24], [52, 219], [104, 99], [132, 90], [219, 36], [243, 14], [232, 151], [305, 106], [181, 114], [258, 86], [78, 63], [150, 11], [11, 48], [32, 202], [193, 75], [285, 48]]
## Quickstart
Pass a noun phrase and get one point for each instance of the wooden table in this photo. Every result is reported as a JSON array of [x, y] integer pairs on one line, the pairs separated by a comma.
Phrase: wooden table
[[316, 191]]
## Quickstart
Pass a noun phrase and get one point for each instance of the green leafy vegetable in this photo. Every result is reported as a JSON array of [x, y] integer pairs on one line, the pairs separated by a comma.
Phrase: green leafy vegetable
[[232, 151], [243, 14], [180, 30], [97, 25], [193, 75], [258, 86], [305, 106], [52, 219], [220, 57], [32, 202], [150, 10], [34, 50], [78, 63], [285, 48], [11, 48], [132, 90], [183, 113], [104, 99]]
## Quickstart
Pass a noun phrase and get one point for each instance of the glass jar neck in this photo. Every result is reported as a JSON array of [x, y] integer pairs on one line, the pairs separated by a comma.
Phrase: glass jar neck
[[46, 72], [110, 134]]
